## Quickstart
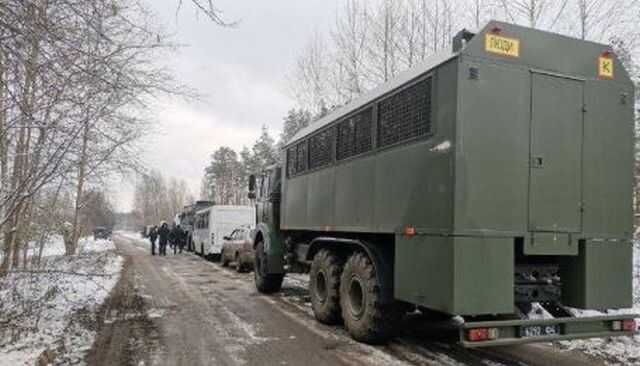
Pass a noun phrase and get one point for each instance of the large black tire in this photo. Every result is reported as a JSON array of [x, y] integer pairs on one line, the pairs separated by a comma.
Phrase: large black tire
[[266, 283], [324, 286], [365, 317]]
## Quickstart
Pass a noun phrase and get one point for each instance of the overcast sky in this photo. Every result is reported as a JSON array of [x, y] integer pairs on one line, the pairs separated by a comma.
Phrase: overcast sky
[[240, 71]]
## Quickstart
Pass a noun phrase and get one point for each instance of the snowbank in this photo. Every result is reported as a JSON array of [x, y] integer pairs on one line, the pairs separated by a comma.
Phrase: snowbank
[[53, 309]]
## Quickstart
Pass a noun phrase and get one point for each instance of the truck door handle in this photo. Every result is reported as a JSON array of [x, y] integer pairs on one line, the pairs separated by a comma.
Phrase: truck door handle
[[537, 162]]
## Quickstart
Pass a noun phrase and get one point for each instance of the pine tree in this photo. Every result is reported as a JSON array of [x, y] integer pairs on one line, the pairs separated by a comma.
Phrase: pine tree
[[294, 121], [265, 152]]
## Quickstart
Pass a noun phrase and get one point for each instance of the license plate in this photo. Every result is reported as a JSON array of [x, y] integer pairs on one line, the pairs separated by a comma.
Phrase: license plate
[[539, 330]]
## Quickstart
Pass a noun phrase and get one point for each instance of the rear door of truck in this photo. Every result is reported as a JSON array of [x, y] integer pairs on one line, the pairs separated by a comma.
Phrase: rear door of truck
[[555, 181]]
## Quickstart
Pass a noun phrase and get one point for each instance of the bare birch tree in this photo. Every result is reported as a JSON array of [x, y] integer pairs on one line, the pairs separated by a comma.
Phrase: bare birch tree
[[75, 76], [350, 38], [156, 199], [382, 49], [311, 77], [544, 14]]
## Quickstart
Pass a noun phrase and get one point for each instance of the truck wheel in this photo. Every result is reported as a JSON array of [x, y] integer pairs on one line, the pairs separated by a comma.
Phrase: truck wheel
[[267, 283], [225, 260], [324, 286], [366, 319]]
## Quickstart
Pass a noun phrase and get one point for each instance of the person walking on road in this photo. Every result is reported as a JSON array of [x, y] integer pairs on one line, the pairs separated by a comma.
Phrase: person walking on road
[[178, 239], [153, 235], [163, 233], [172, 237]]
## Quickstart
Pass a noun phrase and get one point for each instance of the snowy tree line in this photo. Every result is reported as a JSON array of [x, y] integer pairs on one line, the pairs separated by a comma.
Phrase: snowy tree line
[[157, 198], [372, 41]]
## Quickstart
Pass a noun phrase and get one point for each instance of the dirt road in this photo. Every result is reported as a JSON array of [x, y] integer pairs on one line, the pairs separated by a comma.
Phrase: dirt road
[[182, 310]]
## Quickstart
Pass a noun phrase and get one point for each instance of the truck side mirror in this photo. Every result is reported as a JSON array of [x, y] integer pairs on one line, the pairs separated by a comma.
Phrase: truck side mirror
[[252, 187]]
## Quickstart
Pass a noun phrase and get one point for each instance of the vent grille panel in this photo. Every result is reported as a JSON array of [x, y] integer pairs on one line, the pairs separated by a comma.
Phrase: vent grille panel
[[321, 149], [405, 115], [291, 161], [354, 135], [301, 160]]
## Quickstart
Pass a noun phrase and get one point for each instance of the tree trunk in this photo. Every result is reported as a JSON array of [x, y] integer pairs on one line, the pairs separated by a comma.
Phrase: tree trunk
[[3, 146], [72, 244], [10, 232]]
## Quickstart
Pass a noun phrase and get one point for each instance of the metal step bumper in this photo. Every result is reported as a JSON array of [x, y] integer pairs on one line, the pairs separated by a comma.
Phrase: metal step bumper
[[509, 332]]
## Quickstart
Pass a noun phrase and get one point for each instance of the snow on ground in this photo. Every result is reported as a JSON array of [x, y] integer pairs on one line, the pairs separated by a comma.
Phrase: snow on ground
[[52, 308], [136, 237], [89, 245]]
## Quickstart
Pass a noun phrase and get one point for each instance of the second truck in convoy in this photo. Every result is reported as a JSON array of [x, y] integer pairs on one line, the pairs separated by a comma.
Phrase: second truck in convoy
[[490, 178]]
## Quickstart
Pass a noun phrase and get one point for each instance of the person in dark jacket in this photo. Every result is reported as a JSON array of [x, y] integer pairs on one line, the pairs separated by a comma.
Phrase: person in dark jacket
[[178, 239], [163, 233], [172, 237], [153, 235]]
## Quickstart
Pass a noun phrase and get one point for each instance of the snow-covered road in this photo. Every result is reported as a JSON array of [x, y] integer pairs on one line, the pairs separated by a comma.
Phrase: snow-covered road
[[183, 310]]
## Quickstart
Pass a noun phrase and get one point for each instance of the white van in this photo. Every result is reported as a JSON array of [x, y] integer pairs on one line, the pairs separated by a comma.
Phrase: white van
[[212, 224]]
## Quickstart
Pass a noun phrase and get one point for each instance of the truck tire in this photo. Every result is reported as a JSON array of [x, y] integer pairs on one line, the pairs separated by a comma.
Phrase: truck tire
[[324, 286], [365, 317], [266, 283]]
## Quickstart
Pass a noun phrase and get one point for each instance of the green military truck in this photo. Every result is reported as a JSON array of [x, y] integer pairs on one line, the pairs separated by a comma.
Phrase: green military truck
[[491, 178]]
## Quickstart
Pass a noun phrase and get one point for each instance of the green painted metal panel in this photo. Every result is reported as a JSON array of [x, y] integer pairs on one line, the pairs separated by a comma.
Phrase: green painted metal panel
[[600, 277], [556, 154], [294, 202], [354, 200], [492, 150], [423, 271], [550, 244], [320, 204], [455, 275], [483, 275], [608, 160], [412, 188]]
